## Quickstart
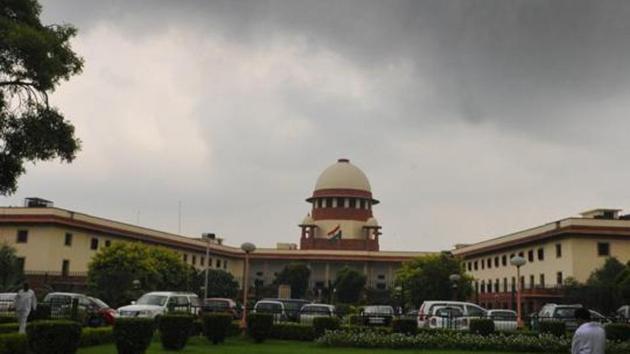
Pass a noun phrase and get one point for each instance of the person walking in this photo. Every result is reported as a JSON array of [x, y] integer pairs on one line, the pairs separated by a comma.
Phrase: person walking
[[590, 337], [25, 302]]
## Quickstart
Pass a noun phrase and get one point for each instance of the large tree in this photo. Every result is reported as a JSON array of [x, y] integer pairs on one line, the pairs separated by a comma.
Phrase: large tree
[[296, 275], [220, 283], [34, 58], [428, 278], [10, 269], [113, 271], [349, 285]]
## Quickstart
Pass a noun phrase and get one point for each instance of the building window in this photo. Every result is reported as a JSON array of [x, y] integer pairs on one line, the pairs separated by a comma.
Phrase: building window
[[22, 236], [361, 204], [496, 286], [185, 258], [559, 278], [381, 286], [505, 285], [68, 239], [476, 265], [476, 287], [496, 261], [202, 261], [225, 264], [489, 263], [483, 287], [504, 260], [603, 249], [489, 285], [469, 266], [329, 202], [541, 254], [94, 243], [194, 260], [513, 283], [65, 268], [353, 203], [558, 250], [218, 263], [532, 281], [530, 256], [108, 243], [542, 280], [20, 263], [483, 264]]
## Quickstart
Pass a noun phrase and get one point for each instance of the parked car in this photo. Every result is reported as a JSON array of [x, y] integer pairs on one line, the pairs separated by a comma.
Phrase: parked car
[[469, 311], [276, 308], [446, 317], [623, 313], [504, 320], [7, 303], [377, 315], [311, 311], [93, 311], [291, 307], [157, 303], [106, 313], [223, 305], [566, 314]]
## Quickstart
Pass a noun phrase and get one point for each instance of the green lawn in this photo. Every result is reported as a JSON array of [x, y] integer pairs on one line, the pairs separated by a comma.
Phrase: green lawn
[[238, 346]]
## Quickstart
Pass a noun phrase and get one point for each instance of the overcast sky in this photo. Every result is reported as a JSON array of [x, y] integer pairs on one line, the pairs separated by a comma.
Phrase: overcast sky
[[471, 119]]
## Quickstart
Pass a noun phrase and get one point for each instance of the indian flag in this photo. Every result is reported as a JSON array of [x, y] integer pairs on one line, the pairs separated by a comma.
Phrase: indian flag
[[335, 234]]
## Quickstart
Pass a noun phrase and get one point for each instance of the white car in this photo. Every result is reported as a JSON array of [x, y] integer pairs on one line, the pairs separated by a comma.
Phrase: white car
[[504, 320], [154, 304], [446, 317], [623, 313], [311, 311], [469, 311], [276, 308]]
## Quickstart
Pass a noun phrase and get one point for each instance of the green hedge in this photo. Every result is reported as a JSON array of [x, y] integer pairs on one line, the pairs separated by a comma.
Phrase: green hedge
[[96, 336], [216, 326], [53, 337], [7, 319], [175, 330], [292, 331], [234, 329], [557, 328], [9, 328], [259, 326], [356, 320], [13, 343], [133, 335], [42, 312], [405, 326], [618, 332], [481, 326], [322, 324]]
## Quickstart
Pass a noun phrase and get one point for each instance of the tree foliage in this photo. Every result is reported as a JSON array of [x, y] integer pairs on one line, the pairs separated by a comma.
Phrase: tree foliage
[[34, 58], [349, 285], [296, 275], [220, 283], [427, 278], [10, 270], [113, 270]]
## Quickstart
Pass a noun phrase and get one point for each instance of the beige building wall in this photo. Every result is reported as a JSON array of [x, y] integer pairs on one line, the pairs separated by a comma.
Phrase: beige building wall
[[586, 259]]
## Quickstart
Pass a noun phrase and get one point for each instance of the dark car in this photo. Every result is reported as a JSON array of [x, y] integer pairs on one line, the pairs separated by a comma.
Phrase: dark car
[[221, 305], [292, 307], [104, 312], [91, 311], [377, 315]]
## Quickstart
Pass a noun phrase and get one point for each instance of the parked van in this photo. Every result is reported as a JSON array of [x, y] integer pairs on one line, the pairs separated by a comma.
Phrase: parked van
[[276, 308], [157, 303], [469, 310]]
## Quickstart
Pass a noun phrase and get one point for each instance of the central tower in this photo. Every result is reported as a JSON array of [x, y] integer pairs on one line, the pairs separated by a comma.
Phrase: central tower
[[341, 211]]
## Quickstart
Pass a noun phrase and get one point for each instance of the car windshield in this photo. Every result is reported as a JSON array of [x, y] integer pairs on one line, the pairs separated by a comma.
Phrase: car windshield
[[503, 315], [158, 300], [99, 303], [387, 310], [58, 299], [268, 307], [448, 312], [565, 312], [216, 304], [313, 310]]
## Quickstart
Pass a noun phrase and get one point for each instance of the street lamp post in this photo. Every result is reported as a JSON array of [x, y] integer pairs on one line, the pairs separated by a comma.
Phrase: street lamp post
[[518, 262], [455, 278], [247, 248], [208, 237]]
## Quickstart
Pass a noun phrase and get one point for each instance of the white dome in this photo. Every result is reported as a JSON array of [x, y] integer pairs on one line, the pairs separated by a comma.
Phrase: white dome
[[343, 175], [371, 222], [308, 220]]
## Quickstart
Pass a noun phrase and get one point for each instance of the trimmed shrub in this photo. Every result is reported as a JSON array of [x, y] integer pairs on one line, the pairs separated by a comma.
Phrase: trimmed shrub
[[42, 312], [9, 328], [175, 330], [13, 343], [481, 326], [96, 336], [216, 326], [557, 328], [259, 326], [53, 337], [292, 331], [405, 326], [197, 328], [356, 320], [234, 329], [7, 319], [133, 335], [321, 324], [618, 332], [375, 329]]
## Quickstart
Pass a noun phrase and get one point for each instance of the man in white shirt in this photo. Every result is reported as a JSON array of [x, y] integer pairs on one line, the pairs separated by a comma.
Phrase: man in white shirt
[[590, 337], [25, 301]]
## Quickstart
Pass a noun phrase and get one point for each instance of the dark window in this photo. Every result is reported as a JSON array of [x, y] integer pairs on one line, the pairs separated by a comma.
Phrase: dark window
[[108, 243], [496, 286], [259, 274], [329, 202], [218, 263], [353, 203], [381, 276], [559, 278], [489, 263], [65, 268], [194, 260], [381, 286], [483, 287], [185, 258], [483, 264], [469, 266], [496, 261], [490, 285], [476, 265], [541, 254], [68, 239], [558, 250], [522, 282], [504, 260], [341, 202], [521, 254], [202, 261], [225, 264], [20, 263], [530, 256], [542, 280], [22, 236], [603, 249], [94, 244], [505, 285], [513, 283], [361, 204], [532, 281]]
